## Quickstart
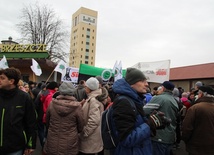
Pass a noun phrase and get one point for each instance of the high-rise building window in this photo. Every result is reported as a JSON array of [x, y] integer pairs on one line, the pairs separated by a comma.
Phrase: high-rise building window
[[92, 44], [93, 30], [91, 63], [87, 50], [92, 51], [86, 57], [91, 58], [87, 43], [86, 62], [81, 61], [81, 49], [88, 29], [75, 22], [92, 37], [87, 36], [82, 28], [82, 42]]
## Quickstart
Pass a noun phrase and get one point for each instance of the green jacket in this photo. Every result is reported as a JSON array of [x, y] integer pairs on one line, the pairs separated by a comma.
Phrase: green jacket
[[169, 107]]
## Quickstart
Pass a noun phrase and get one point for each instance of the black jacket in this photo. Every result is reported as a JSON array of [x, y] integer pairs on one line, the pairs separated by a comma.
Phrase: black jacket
[[18, 121]]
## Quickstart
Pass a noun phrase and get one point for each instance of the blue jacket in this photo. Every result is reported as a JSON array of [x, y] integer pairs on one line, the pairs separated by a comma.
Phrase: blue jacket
[[133, 133]]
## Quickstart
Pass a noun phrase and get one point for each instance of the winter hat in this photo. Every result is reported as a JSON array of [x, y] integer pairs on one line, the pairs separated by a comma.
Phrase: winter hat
[[134, 75], [99, 78], [92, 83], [67, 88], [103, 96], [168, 85], [199, 84], [52, 85], [207, 89]]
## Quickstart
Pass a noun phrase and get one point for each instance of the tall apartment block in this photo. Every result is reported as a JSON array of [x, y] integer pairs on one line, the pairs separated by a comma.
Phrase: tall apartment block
[[83, 38]]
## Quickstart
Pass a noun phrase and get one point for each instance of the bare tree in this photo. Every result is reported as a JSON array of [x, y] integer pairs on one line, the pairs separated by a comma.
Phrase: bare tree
[[40, 25]]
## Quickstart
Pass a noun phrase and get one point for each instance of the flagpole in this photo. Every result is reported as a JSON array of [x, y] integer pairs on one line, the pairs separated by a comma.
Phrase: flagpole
[[49, 76], [34, 77]]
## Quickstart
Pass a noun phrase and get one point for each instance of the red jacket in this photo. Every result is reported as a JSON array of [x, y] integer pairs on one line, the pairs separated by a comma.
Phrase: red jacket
[[46, 100]]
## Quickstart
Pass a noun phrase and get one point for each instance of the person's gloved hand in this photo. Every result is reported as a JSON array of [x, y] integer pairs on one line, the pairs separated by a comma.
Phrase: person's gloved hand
[[157, 120]]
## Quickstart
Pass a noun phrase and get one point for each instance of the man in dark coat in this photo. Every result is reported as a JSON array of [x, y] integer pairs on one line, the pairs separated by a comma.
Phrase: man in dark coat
[[198, 124], [17, 115]]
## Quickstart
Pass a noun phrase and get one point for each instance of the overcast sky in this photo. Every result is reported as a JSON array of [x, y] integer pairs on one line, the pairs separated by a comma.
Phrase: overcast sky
[[135, 30]]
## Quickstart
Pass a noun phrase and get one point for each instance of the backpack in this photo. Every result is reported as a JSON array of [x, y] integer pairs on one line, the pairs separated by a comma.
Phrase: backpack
[[108, 131]]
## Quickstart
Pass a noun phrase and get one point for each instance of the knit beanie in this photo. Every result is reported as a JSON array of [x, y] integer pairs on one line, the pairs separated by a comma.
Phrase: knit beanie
[[67, 88], [168, 85], [92, 83], [134, 75]]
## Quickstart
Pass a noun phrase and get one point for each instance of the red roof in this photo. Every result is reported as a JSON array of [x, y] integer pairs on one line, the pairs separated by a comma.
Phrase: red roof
[[192, 72]]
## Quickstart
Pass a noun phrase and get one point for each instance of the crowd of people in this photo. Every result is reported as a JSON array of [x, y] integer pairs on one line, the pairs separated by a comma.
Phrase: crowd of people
[[67, 118]]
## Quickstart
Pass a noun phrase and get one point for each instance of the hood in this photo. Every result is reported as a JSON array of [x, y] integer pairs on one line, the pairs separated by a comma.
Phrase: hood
[[95, 93], [65, 105], [123, 88]]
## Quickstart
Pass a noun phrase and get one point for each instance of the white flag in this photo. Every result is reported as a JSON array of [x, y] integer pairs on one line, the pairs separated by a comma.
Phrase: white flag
[[114, 68], [3, 63], [119, 72], [61, 67], [36, 68]]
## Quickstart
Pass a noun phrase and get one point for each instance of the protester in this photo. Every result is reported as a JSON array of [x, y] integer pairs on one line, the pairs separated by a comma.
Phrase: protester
[[64, 119], [21, 85], [198, 125], [159, 90], [103, 98], [148, 95], [32, 85], [46, 99], [28, 90], [39, 109], [90, 137], [176, 94], [197, 85], [165, 138], [80, 91], [37, 89], [18, 117], [52, 87], [154, 91], [131, 125], [99, 78], [186, 102]]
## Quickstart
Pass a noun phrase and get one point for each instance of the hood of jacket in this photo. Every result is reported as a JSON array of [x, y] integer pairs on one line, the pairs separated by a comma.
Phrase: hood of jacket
[[64, 104], [95, 93], [121, 87]]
